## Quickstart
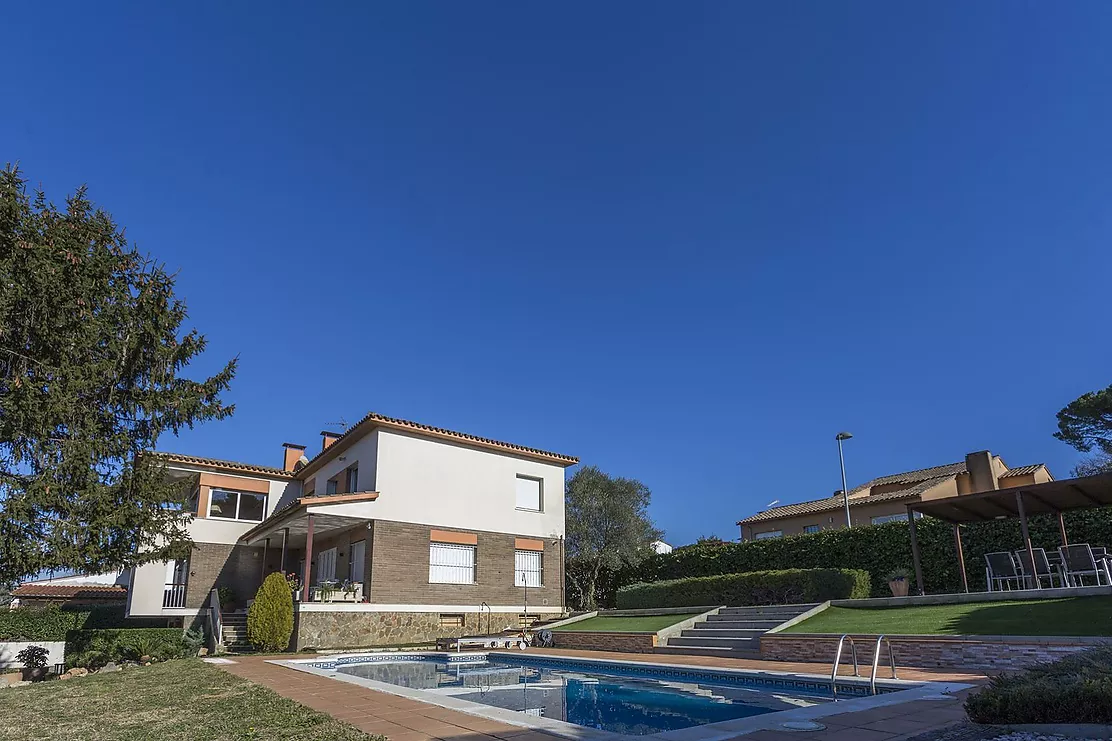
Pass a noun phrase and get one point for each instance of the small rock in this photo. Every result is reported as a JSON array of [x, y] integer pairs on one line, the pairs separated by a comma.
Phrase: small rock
[[111, 666], [64, 677], [202, 651], [78, 671], [144, 660]]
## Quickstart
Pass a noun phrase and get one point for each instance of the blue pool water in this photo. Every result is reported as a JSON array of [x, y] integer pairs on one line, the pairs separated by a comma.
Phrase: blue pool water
[[634, 705]]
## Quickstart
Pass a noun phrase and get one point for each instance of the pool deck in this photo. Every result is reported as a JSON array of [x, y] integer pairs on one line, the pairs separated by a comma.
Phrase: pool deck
[[403, 719]]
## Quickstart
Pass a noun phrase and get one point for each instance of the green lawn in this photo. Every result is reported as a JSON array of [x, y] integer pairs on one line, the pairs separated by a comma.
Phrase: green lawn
[[184, 700], [1076, 616], [617, 624]]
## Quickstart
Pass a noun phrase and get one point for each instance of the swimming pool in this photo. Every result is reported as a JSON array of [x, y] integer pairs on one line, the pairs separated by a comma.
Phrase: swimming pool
[[586, 698]]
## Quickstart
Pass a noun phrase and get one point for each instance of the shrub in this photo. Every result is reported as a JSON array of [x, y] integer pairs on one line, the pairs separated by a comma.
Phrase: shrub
[[270, 617], [877, 549], [1075, 689], [790, 586], [33, 657], [53, 623], [93, 649]]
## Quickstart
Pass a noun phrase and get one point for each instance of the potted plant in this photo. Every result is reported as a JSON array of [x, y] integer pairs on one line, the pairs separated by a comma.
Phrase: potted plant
[[34, 663], [294, 583], [898, 581]]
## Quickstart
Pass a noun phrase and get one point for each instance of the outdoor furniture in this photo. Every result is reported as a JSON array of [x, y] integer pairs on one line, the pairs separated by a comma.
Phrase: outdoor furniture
[[1078, 561], [1001, 570], [1042, 569]]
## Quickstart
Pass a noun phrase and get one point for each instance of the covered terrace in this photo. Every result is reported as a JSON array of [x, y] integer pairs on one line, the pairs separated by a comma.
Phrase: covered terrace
[[1050, 498]]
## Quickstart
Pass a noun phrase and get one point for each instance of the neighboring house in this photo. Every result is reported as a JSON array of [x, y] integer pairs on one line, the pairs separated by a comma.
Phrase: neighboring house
[[885, 499], [429, 529], [659, 547], [73, 589]]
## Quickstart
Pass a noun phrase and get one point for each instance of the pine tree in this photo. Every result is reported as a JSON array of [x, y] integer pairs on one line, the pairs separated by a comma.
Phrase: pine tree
[[270, 616], [91, 349]]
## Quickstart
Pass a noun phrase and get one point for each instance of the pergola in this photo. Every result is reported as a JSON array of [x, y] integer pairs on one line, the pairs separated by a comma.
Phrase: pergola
[[1052, 497]]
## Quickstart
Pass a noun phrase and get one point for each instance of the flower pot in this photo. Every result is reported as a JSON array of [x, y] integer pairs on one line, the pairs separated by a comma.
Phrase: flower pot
[[34, 673], [899, 587]]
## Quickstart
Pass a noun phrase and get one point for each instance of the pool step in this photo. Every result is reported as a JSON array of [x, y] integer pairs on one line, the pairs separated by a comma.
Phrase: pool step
[[733, 632]]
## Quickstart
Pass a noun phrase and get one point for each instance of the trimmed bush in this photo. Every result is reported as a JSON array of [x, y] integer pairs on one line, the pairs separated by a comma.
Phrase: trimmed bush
[[53, 622], [790, 586], [270, 617], [877, 549], [1074, 689], [93, 649]]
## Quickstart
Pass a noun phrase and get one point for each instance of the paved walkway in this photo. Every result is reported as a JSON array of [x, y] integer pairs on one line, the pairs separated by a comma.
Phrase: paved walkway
[[402, 719]]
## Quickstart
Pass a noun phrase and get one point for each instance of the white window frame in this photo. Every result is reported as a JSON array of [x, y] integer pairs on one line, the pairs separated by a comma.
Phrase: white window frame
[[330, 487], [768, 535], [239, 495], [352, 478], [448, 563], [326, 565], [540, 493], [524, 573], [357, 567]]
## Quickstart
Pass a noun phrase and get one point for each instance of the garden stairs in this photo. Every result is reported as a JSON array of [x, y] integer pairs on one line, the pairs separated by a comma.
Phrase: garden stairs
[[234, 631], [734, 631]]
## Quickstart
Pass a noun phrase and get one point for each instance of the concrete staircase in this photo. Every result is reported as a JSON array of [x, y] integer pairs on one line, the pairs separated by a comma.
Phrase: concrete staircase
[[234, 631], [734, 632]]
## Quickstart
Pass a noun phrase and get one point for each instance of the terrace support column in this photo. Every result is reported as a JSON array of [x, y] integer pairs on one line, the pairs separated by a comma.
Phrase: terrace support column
[[915, 551], [1026, 536], [961, 557], [308, 561], [266, 548], [285, 539], [1062, 528]]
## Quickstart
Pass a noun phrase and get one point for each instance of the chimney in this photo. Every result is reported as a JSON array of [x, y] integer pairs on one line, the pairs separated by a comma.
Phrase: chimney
[[982, 475], [291, 454], [327, 438]]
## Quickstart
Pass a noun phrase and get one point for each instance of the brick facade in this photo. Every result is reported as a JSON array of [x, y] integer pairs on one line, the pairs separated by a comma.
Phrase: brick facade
[[948, 652], [399, 570], [585, 640], [214, 565]]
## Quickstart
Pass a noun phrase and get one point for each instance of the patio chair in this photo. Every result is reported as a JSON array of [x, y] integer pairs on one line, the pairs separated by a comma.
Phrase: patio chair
[[1042, 569], [1001, 571], [1078, 562]]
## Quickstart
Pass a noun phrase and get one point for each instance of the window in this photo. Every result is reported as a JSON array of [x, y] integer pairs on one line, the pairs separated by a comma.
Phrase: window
[[326, 565], [528, 568], [237, 505], [451, 620], [768, 534], [330, 487], [809, 529], [353, 479], [451, 564], [529, 493]]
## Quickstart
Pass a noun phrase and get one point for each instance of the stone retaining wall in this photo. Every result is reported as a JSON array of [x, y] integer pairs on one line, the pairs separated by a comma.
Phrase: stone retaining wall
[[589, 640], [358, 629], [948, 652]]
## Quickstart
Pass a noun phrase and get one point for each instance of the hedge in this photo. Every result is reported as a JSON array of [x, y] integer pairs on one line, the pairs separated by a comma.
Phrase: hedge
[[52, 623], [786, 587], [95, 648], [877, 549], [1074, 689]]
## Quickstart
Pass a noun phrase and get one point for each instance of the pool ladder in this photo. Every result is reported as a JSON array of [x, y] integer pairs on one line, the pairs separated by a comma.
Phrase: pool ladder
[[856, 671]]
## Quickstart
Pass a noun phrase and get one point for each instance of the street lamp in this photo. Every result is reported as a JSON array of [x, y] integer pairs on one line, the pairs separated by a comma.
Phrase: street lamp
[[841, 459]]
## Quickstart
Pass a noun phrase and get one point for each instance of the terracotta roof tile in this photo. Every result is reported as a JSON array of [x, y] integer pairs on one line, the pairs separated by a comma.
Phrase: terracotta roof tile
[[835, 503], [218, 463], [70, 591], [1022, 470]]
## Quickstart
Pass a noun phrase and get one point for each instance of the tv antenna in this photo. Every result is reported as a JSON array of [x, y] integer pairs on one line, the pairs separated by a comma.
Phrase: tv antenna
[[342, 424]]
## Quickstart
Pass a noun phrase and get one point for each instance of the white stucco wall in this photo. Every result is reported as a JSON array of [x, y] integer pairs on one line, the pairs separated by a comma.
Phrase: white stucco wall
[[364, 452], [144, 596], [435, 483], [55, 652]]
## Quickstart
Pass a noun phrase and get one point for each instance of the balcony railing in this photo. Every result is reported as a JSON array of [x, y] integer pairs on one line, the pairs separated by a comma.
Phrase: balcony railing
[[173, 595]]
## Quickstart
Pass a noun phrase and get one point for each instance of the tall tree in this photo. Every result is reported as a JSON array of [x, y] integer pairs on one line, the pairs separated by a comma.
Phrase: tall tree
[[1094, 464], [91, 349], [608, 527], [1086, 422]]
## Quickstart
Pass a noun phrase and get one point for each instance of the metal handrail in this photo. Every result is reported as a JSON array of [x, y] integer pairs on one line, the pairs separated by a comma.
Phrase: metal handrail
[[218, 620], [838, 660], [876, 661], [490, 617]]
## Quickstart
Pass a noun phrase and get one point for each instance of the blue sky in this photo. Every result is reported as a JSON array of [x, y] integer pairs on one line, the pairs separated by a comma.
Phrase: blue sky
[[687, 242]]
